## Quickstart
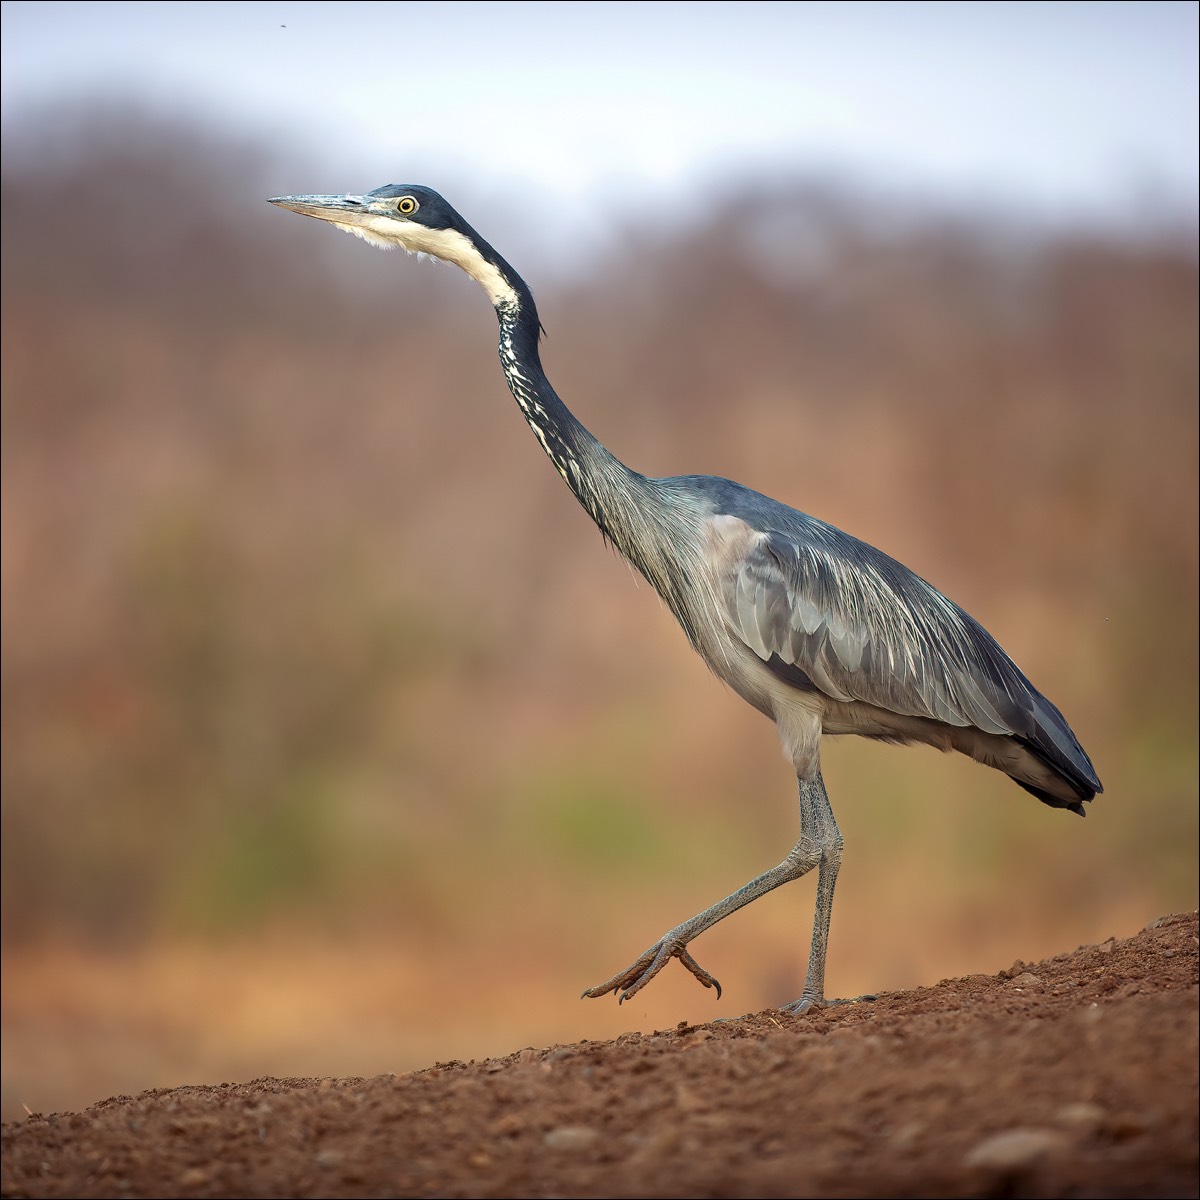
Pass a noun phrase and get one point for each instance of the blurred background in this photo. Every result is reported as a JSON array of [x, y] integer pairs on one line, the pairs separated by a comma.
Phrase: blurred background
[[335, 741]]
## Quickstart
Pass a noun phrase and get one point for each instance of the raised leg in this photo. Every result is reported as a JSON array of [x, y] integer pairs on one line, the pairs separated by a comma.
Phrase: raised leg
[[820, 846]]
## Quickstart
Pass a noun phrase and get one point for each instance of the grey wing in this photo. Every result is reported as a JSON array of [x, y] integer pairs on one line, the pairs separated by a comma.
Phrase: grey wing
[[825, 610]]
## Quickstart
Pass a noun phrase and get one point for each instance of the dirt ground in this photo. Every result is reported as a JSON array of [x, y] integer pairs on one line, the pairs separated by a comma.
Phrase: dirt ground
[[1076, 1076]]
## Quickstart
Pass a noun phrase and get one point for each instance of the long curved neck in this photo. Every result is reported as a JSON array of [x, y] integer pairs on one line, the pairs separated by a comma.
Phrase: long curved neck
[[603, 484], [632, 512]]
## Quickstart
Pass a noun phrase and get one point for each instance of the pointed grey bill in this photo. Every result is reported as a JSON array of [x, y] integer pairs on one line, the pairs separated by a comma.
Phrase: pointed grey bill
[[327, 208]]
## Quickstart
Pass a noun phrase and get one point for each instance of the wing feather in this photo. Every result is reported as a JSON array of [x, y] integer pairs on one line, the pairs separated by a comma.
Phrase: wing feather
[[824, 610], [862, 627]]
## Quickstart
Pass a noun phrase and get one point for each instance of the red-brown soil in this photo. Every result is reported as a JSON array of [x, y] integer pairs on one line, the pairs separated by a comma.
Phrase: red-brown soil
[[1076, 1076]]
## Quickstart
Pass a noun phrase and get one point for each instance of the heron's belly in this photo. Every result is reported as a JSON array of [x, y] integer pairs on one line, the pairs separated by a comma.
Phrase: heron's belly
[[799, 714]]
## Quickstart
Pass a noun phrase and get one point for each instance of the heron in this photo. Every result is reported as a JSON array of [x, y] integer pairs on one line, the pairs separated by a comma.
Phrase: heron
[[819, 631]]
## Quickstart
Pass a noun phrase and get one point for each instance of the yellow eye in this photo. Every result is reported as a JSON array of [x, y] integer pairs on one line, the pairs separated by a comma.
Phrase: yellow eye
[[406, 205]]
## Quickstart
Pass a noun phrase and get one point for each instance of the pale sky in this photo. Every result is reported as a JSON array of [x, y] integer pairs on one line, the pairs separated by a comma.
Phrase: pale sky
[[1061, 109]]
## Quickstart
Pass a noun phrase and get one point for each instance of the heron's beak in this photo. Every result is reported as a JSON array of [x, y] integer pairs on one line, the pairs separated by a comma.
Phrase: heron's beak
[[341, 210]]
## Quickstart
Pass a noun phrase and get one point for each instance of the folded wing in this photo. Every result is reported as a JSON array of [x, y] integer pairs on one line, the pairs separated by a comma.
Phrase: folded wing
[[826, 611]]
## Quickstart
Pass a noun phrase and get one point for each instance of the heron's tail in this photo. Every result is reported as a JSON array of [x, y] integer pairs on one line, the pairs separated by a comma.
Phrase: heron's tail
[[1054, 745]]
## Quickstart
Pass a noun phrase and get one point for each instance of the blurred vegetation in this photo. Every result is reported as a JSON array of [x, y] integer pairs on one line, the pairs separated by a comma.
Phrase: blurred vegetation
[[300, 630]]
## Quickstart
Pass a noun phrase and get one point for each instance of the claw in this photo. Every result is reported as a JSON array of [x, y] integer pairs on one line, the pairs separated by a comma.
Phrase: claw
[[709, 981], [629, 982]]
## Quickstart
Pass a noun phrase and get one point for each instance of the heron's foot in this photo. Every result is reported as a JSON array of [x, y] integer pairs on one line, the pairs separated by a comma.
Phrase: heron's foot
[[809, 1003], [631, 981]]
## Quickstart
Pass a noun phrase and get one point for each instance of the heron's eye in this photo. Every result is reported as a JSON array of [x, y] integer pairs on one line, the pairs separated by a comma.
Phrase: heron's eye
[[406, 205]]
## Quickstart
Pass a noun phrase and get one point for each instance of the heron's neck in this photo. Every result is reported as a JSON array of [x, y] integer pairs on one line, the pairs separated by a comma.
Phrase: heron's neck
[[630, 509], [601, 482]]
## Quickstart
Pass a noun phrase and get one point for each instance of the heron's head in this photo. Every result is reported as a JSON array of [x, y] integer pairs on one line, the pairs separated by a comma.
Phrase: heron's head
[[415, 219]]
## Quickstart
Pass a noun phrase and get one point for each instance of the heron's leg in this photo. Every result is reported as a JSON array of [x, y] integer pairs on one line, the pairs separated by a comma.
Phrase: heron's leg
[[820, 846], [817, 822]]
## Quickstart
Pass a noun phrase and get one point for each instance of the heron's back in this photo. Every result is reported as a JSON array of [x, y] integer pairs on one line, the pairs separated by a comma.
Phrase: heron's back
[[829, 614]]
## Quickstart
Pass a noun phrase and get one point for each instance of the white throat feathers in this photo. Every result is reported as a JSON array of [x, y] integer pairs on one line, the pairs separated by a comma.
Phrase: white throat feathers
[[447, 244]]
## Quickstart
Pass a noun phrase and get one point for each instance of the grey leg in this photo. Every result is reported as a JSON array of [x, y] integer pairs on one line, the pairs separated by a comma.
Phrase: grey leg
[[818, 827], [820, 846]]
